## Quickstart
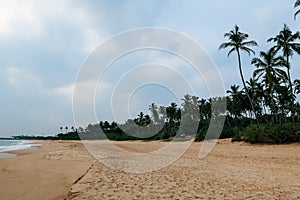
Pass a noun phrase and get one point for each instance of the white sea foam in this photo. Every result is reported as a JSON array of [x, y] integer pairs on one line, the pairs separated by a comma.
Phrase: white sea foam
[[11, 145]]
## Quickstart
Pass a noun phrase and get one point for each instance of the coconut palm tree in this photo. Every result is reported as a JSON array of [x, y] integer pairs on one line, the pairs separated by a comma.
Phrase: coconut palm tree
[[163, 114], [268, 67], [254, 88], [286, 41], [238, 42], [297, 4], [140, 119], [297, 86], [153, 109]]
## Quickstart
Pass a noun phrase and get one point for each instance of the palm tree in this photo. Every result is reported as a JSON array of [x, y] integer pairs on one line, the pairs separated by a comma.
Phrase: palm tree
[[234, 90], [153, 109], [205, 110], [66, 129], [297, 4], [254, 88], [172, 112], [187, 104], [163, 114], [195, 103], [140, 119], [268, 67], [297, 86], [235, 101], [286, 41], [238, 42], [284, 97]]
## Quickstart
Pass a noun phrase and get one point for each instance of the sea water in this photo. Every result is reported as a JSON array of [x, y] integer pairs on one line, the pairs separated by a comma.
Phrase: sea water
[[11, 145]]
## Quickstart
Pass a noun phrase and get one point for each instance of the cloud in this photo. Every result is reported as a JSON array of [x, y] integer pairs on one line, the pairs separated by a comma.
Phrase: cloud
[[43, 45], [16, 17]]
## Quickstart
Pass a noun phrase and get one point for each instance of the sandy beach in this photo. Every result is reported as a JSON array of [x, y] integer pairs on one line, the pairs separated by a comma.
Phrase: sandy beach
[[46, 172], [66, 170]]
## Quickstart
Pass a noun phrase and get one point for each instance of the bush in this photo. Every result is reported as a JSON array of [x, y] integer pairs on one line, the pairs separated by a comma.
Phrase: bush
[[236, 135], [201, 134], [272, 134], [227, 132]]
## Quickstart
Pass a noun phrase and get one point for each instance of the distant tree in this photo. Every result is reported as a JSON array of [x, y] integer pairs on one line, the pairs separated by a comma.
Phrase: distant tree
[[205, 110], [106, 126], [238, 42], [153, 109], [253, 88], [235, 103], [61, 128], [172, 113], [163, 113], [66, 129]]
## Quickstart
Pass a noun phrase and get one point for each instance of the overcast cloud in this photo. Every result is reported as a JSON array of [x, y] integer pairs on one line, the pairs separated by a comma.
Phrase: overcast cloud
[[44, 43]]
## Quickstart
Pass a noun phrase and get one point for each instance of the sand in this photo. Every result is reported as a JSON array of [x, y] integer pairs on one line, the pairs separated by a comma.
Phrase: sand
[[45, 172], [65, 170]]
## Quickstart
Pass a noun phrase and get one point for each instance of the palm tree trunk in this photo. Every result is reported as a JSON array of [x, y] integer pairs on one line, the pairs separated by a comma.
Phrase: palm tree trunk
[[291, 89], [275, 118], [243, 80]]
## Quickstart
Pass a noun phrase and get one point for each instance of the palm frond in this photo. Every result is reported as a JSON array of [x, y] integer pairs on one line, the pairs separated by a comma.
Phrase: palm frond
[[232, 50], [297, 3], [296, 13], [250, 43], [225, 45], [248, 50]]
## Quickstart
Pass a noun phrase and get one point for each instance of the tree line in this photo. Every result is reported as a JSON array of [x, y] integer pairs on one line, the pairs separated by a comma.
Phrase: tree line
[[264, 109]]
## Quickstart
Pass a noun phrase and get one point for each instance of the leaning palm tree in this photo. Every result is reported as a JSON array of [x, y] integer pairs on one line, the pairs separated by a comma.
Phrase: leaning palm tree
[[297, 4], [286, 41], [238, 42], [268, 67]]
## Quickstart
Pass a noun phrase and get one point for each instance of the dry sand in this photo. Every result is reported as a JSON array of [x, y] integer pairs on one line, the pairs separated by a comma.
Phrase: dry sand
[[64, 170], [45, 172]]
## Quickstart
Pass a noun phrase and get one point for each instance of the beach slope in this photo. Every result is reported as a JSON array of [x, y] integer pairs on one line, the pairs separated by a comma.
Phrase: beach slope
[[45, 172]]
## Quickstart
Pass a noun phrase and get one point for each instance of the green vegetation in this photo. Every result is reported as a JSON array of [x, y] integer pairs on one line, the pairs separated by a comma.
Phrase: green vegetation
[[272, 134]]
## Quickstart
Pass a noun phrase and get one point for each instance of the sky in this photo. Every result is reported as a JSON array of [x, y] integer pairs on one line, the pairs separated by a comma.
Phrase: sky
[[44, 44]]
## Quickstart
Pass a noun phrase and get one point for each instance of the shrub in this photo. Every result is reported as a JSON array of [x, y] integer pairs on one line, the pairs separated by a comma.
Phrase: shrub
[[227, 132], [272, 134]]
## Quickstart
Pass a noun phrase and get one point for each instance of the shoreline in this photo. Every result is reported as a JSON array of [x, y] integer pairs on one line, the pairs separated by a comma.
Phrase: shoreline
[[43, 172], [7, 155], [7, 151]]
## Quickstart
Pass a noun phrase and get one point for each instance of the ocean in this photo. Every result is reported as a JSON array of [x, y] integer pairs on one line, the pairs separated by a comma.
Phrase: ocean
[[11, 145]]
